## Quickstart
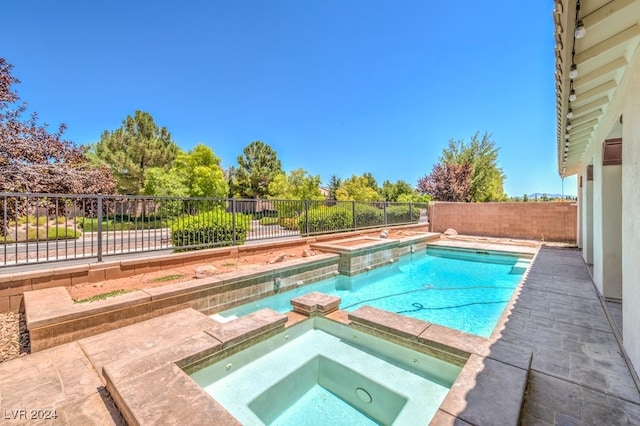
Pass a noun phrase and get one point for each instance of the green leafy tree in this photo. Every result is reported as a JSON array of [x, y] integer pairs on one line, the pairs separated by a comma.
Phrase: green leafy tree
[[414, 197], [370, 181], [487, 178], [196, 173], [257, 167], [334, 184], [525, 198], [392, 191], [357, 188], [131, 150], [297, 185]]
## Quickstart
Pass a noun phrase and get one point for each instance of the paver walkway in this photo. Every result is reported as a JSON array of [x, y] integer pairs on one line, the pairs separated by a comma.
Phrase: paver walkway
[[578, 372]]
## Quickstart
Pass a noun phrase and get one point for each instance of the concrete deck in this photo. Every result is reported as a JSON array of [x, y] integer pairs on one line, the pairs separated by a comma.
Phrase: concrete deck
[[578, 372]]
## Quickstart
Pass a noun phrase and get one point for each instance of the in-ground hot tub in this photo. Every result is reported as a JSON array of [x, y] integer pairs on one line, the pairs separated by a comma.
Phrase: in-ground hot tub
[[326, 371]]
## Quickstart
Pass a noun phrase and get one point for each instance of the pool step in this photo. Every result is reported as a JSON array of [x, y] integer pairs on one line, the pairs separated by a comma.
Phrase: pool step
[[520, 267], [221, 319]]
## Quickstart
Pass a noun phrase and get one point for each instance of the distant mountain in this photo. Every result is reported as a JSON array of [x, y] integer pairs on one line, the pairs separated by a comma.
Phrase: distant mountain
[[540, 194]]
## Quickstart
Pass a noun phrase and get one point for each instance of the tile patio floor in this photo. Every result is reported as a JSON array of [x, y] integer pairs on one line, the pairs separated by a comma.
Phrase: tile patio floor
[[578, 374]]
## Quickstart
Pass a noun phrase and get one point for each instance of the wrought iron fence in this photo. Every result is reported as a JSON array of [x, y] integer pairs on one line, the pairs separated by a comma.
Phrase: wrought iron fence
[[52, 227]]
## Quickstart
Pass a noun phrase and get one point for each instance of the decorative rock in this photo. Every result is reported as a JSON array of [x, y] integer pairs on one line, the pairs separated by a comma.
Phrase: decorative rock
[[308, 253], [450, 231], [205, 271]]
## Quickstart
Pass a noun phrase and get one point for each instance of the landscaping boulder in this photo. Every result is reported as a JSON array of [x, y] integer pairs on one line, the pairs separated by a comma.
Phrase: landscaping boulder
[[308, 253], [450, 231]]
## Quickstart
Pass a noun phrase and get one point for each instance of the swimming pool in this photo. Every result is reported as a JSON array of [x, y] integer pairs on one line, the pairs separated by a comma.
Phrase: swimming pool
[[458, 288]]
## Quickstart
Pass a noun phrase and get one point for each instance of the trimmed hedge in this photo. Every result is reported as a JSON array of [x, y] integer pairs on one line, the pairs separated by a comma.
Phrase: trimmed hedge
[[340, 218], [402, 214], [208, 229], [326, 219], [368, 216]]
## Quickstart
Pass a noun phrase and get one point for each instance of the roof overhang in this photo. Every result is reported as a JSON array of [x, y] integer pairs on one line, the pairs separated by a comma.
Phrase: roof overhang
[[601, 58]]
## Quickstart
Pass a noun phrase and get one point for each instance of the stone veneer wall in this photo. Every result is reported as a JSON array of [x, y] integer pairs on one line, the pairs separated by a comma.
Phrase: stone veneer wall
[[545, 221]]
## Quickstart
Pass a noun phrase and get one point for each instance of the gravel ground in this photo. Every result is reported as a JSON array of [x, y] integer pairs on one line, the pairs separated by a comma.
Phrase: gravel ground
[[14, 337]]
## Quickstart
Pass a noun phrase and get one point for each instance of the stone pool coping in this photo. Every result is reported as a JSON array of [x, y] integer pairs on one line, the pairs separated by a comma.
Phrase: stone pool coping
[[145, 375], [363, 253]]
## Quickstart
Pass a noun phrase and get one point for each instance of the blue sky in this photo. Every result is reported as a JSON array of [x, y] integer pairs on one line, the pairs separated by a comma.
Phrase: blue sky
[[336, 87]]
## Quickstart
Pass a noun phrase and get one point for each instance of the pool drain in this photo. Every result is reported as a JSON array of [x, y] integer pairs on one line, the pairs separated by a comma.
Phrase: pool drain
[[363, 395]]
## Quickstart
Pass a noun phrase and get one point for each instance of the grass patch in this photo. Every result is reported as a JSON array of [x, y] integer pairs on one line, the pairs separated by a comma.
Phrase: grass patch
[[55, 233], [91, 224], [37, 221], [102, 296], [168, 278], [6, 239]]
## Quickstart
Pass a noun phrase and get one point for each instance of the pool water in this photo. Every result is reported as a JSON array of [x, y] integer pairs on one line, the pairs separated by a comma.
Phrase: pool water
[[462, 289], [322, 372]]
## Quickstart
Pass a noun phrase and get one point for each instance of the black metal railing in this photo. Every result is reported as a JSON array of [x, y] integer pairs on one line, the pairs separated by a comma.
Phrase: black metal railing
[[53, 227]]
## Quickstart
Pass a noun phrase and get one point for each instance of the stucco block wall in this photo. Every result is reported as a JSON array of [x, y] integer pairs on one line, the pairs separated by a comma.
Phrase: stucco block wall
[[552, 221]]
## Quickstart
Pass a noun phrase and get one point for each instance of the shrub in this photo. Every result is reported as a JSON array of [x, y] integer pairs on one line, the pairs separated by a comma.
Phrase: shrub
[[326, 219], [290, 223], [208, 229], [368, 216], [266, 221], [402, 214]]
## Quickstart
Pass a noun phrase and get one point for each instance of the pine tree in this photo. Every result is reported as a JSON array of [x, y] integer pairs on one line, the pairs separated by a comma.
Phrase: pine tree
[[134, 148]]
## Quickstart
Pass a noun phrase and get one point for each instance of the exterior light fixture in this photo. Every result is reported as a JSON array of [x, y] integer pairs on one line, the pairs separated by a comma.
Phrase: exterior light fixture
[[580, 30], [570, 113], [566, 149], [566, 136], [568, 126], [572, 96], [573, 72]]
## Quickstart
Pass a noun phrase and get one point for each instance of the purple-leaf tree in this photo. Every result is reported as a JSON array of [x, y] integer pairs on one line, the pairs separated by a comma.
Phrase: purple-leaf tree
[[448, 182]]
